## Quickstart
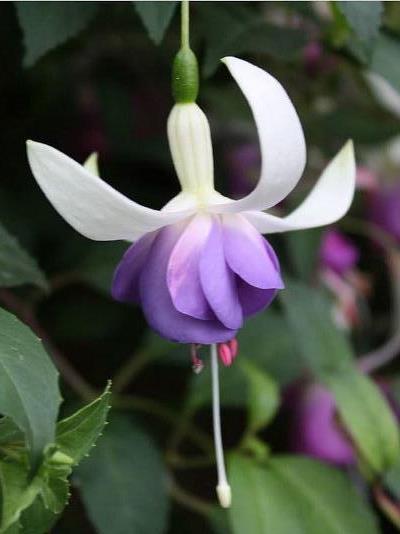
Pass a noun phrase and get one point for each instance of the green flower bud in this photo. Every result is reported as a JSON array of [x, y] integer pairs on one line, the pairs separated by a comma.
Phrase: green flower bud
[[185, 76]]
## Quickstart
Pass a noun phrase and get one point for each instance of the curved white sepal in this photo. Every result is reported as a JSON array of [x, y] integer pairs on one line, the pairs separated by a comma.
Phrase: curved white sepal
[[89, 204], [91, 164], [280, 133], [328, 201]]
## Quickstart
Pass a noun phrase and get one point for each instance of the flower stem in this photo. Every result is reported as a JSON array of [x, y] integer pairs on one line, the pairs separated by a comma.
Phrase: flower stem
[[185, 24], [223, 488]]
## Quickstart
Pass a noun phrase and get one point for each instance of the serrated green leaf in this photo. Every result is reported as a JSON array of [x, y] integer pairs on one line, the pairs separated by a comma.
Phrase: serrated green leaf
[[46, 25], [29, 392], [364, 18], [367, 417], [16, 266], [156, 17], [123, 482], [263, 396], [54, 488], [294, 495], [77, 434]]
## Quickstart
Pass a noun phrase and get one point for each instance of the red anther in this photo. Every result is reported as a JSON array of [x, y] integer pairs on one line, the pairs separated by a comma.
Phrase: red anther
[[234, 346], [225, 354]]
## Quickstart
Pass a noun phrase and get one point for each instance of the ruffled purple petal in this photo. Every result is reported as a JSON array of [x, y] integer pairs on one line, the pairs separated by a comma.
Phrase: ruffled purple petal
[[125, 284], [183, 277], [157, 304], [218, 281], [247, 255]]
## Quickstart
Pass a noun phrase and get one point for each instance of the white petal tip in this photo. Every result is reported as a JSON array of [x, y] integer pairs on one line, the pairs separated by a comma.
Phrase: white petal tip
[[92, 164], [224, 495]]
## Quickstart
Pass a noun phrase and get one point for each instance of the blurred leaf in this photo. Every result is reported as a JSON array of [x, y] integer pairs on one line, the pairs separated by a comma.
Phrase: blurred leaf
[[303, 250], [367, 417], [320, 343], [29, 391], [16, 266], [294, 495], [9, 432], [233, 387], [264, 341], [365, 413], [385, 59], [123, 482], [263, 396], [364, 18], [392, 479], [77, 434], [156, 17], [244, 31], [46, 25], [98, 265]]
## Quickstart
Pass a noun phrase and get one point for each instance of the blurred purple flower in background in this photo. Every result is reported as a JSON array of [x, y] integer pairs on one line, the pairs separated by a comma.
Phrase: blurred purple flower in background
[[384, 209], [315, 430], [243, 164], [338, 252]]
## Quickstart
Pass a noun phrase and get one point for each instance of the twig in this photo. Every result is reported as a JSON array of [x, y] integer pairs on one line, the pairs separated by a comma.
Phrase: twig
[[188, 500]]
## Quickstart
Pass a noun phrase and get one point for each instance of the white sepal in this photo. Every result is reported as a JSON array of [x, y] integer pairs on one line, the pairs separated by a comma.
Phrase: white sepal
[[280, 133], [89, 204], [328, 201]]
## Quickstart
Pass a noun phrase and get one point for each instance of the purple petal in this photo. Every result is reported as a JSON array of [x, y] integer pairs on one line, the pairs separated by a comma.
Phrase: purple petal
[[253, 299], [218, 281], [125, 284], [157, 303], [247, 255], [183, 277]]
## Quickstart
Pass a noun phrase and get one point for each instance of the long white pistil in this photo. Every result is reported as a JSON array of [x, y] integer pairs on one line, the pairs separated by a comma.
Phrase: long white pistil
[[223, 488]]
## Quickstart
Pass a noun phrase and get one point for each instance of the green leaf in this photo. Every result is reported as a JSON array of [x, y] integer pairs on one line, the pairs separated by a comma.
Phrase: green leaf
[[367, 417], [16, 266], [294, 495], [29, 392], [77, 434], [46, 25], [364, 18], [303, 248], [17, 493], [385, 59], [320, 343], [264, 341], [156, 17], [362, 408], [244, 32], [123, 482], [263, 396], [37, 519], [392, 480]]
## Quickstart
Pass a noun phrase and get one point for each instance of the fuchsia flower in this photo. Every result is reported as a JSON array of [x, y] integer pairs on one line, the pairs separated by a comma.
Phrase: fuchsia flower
[[200, 266], [338, 252], [315, 429]]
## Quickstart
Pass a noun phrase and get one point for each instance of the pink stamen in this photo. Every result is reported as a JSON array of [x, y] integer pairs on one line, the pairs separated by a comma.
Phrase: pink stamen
[[225, 354], [197, 363], [234, 346]]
